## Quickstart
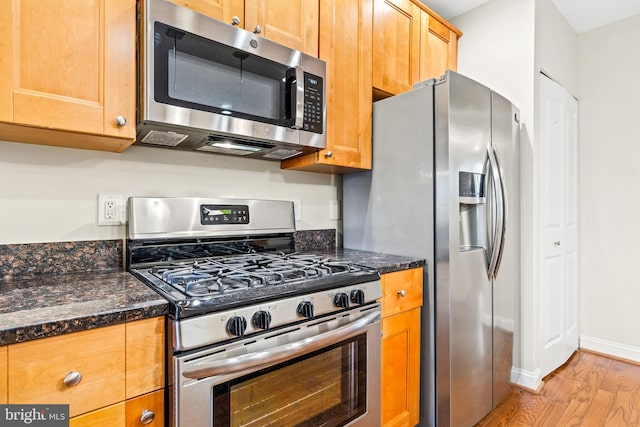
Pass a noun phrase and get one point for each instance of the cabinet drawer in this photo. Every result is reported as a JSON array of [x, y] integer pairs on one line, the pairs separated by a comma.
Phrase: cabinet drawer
[[112, 416], [146, 410], [38, 369], [401, 291]]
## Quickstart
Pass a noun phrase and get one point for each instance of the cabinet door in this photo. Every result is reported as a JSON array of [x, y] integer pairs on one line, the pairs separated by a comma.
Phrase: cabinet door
[[146, 410], [396, 41], [345, 45], [223, 10], [145, 352], [400, 381], [438, 49], [293, 23], [39, 369], [69, 65]]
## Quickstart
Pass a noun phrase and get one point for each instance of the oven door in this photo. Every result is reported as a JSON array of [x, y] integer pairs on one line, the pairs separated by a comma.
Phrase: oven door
[[323, 372]]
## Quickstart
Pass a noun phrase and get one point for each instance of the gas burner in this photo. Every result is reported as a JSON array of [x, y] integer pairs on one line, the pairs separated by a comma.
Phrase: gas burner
[[217, 276]]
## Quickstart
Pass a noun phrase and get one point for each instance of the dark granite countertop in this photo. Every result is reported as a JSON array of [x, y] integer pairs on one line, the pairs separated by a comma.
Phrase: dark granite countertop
[[51, 305], [384, 263], [38, 303]]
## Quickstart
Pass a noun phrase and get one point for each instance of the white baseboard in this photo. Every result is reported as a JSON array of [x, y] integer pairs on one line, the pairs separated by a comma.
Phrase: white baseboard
[[621, 351], [527, 379]]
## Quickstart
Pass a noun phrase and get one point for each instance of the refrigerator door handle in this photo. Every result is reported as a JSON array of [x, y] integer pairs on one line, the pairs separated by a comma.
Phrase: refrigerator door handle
[[502, 226], [499, 220]]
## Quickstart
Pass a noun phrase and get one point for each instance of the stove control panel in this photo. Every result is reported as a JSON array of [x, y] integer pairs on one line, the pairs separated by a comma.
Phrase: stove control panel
[[224, 214]]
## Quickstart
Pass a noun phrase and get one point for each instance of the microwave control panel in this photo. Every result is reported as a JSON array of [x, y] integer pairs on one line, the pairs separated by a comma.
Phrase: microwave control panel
[[313, 103], [224, 214]]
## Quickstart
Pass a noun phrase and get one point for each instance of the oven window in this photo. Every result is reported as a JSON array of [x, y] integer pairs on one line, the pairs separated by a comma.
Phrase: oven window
[[325, 388], [202, 74]]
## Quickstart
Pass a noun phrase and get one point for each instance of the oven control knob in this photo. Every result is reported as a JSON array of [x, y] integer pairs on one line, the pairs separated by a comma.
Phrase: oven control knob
[[261, 319], [357, 296], [305, 309], [236, 326], [341, 300]]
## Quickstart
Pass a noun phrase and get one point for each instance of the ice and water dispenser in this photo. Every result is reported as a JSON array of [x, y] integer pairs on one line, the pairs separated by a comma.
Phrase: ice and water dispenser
[[473, 211]]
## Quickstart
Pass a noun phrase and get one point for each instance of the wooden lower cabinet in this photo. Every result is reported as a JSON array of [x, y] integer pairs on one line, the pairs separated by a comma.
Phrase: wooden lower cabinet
[[109, 376], [401, 369], [401, 317], [143, 410], [3, 375], [46, 370]]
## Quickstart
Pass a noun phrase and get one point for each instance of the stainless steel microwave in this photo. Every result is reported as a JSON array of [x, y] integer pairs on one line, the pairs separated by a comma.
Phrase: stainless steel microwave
[[208, 86]]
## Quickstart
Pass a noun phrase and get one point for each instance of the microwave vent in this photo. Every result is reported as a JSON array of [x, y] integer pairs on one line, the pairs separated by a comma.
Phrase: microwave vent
[[166, 139]]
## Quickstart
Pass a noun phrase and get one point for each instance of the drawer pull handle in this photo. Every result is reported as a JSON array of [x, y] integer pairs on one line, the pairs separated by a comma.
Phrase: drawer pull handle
[[72, 379], [402, 293], [147, 417]]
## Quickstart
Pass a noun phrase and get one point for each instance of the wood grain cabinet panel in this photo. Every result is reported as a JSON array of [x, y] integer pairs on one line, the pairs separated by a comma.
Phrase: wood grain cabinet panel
[[401, 291], [144, 410], [401, 369], [68, 87], [396, 41], [38, 369], [119, 362], [112, 416], [346, 47], [145, 353], [222, 10], [411, 44], [147, 410], [438, 47], [293, 23], [401, 317], [3, 375]]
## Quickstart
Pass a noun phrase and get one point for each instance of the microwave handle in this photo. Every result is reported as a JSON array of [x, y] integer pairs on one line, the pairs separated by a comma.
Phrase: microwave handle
[[299, 117]]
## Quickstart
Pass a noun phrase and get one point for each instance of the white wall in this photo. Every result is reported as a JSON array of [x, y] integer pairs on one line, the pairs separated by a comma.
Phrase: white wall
[[609, 92], [49, 194], [496, 49]]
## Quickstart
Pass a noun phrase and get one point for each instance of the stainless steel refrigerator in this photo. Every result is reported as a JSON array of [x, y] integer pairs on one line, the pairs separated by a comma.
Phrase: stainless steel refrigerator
[[445, 187]]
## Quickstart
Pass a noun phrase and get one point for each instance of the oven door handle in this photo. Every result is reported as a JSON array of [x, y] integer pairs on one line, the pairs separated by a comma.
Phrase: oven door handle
[[210, 368]]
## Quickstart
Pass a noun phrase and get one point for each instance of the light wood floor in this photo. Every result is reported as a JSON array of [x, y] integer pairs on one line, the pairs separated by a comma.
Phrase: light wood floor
[[589, 390]]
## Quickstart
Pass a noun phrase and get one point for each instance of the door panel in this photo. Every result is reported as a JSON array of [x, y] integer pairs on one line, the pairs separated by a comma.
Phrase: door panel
[[558, 227]]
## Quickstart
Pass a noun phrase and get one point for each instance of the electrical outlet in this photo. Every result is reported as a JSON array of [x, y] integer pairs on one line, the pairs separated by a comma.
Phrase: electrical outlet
[[109, 209]]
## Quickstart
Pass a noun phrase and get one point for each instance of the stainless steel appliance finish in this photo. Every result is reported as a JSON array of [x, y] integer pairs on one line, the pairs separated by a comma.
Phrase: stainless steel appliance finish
[[221, 89], [445, 187], [251, 317]]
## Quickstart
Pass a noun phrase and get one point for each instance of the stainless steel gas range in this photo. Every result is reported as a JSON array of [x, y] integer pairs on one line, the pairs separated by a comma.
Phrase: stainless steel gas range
[[260, 335]]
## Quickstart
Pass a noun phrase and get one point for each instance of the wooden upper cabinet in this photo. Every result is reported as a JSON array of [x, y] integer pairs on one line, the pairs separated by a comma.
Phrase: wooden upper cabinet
[[345, 45], [438, 47], [68, 66], [396, 41], [293, 23], [411, 44], [222, 10]]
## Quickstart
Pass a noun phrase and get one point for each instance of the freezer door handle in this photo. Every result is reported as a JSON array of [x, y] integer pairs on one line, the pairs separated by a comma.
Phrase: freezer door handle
[[497, 233], [501, 212]]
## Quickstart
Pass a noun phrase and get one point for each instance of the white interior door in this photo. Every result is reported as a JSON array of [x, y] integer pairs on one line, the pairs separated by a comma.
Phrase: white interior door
[[559, 330]]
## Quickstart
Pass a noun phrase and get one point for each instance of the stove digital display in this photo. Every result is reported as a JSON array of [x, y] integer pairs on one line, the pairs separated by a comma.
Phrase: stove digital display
[[224, 214]]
